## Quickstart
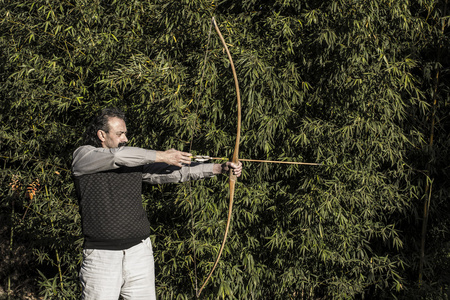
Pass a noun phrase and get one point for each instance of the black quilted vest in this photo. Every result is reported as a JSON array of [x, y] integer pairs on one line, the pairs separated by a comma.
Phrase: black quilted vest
[[111, 209]]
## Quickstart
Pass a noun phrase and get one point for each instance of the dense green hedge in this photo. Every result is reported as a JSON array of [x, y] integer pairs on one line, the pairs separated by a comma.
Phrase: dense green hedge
[[361, 86]]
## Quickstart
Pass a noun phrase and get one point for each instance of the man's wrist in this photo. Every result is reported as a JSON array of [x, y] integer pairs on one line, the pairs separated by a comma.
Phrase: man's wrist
[[220, 168], [159, 156]]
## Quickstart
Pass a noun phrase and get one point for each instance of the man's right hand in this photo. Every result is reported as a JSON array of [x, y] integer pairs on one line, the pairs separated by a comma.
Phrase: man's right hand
[[174, 157]]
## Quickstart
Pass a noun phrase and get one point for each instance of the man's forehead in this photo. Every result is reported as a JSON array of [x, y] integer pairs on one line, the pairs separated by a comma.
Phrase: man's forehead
[[117, 124]]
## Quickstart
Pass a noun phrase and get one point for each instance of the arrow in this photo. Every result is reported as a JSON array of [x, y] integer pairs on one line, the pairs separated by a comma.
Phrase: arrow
[[203, 158]]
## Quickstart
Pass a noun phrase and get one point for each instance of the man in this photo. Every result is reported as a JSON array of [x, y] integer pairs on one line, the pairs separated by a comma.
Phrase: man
[[117, 252]]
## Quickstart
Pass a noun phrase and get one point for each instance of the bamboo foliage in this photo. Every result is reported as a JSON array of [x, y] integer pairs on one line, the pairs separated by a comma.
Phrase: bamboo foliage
[[353, 85]]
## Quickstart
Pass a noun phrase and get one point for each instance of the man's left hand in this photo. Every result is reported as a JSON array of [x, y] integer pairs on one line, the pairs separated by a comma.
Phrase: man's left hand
[[237, 168]]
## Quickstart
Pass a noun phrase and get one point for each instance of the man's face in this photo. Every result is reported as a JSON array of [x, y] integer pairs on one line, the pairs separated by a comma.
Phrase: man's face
[[117, 135]]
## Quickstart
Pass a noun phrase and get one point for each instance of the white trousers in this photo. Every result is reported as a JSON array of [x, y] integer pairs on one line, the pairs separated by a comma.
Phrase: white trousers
[[108, 274]]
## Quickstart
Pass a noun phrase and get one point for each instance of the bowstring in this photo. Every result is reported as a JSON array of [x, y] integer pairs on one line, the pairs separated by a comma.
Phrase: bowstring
[[194, 126]]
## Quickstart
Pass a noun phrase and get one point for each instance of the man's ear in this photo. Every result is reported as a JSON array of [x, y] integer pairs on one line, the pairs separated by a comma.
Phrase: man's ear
[[101, 135]]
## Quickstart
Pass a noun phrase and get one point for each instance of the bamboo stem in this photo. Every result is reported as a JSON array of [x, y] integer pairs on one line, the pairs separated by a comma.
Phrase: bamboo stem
[[58, 260], [11, 239], [428, 187]]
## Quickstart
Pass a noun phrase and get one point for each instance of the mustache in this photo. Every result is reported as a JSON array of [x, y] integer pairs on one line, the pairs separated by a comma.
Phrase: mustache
[[122, 144]]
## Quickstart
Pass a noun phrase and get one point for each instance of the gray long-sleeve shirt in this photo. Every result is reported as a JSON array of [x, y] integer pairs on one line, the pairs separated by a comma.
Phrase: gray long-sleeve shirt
[[89, 159]]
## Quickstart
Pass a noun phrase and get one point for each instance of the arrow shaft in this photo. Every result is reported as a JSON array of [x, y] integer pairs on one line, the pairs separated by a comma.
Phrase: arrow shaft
[[199, 158], [280, 162]]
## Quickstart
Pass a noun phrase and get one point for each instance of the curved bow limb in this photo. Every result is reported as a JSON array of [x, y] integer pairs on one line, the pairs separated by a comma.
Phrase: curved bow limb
[[233, 178]]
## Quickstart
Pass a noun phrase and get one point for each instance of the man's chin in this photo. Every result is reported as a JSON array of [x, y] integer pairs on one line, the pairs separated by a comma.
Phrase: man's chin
[[122, 144]]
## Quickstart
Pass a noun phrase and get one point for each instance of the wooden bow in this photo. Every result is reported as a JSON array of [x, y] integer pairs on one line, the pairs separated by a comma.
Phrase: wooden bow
[[235, 159]]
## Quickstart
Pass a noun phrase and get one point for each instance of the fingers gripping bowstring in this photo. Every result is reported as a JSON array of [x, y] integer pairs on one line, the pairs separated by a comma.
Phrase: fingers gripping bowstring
[[194, 126]]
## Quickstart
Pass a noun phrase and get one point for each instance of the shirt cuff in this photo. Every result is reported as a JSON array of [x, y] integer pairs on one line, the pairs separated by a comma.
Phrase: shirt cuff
[[208, 170], [150, 156]]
